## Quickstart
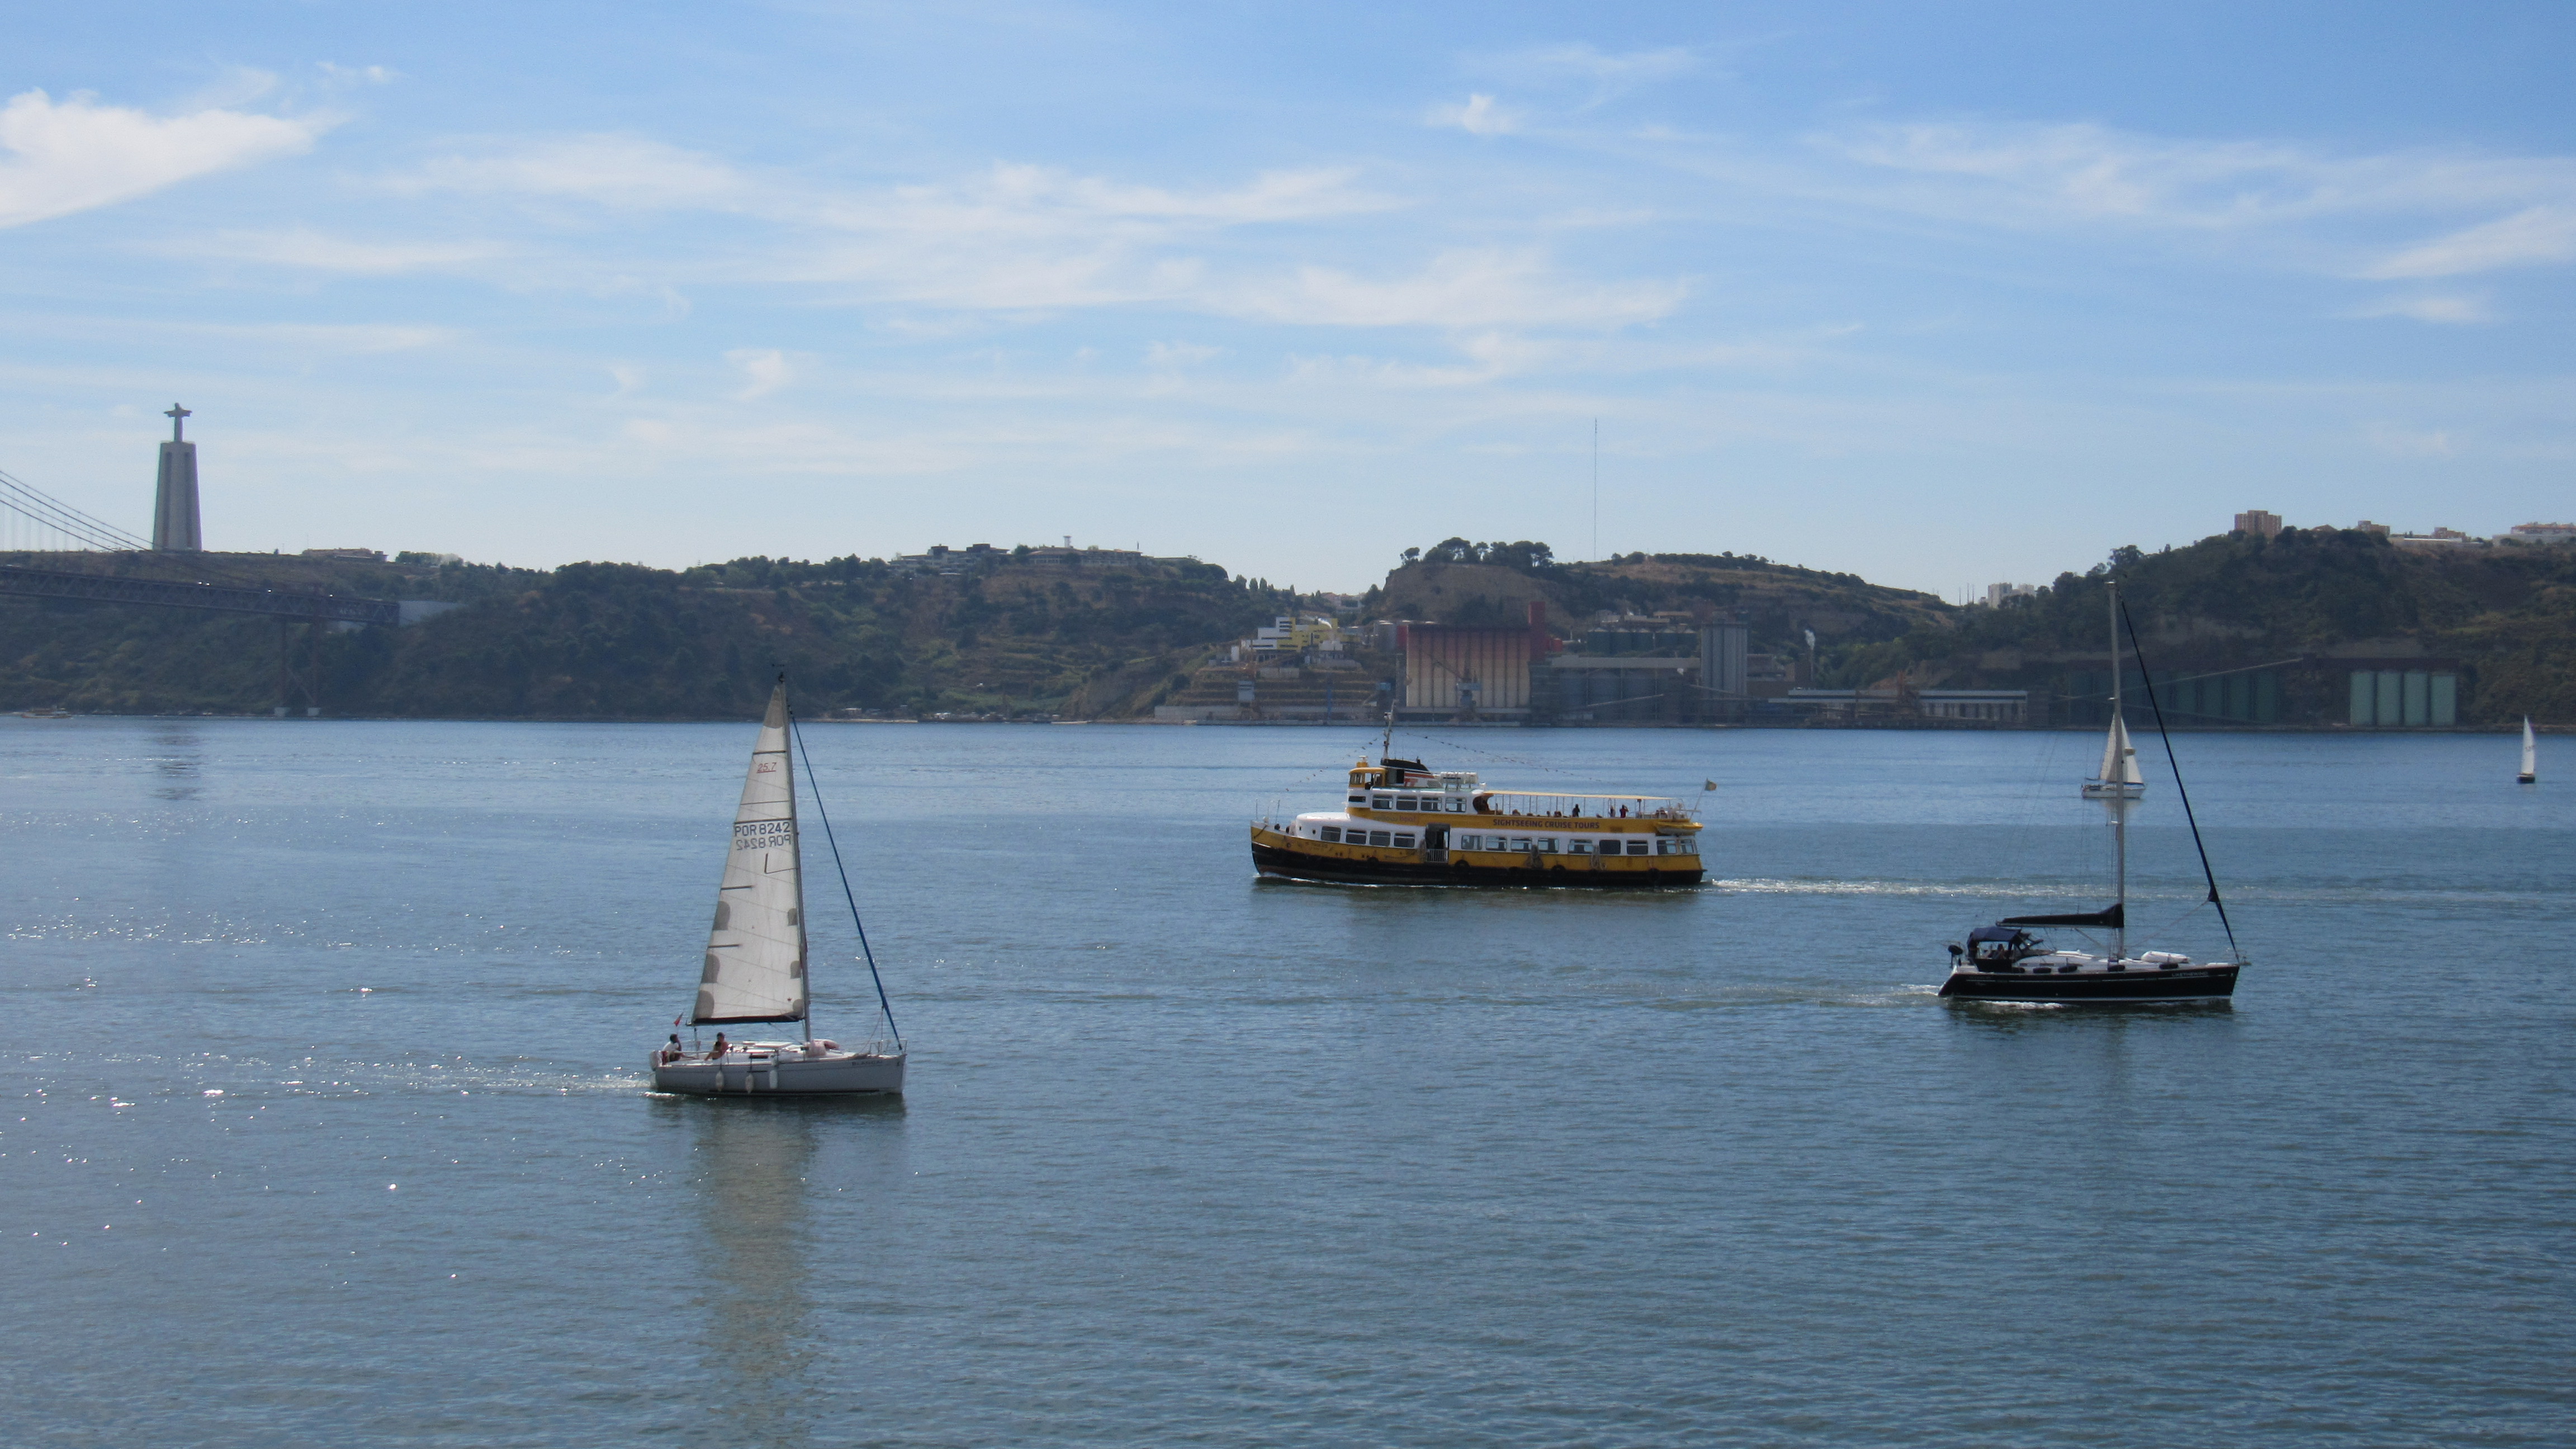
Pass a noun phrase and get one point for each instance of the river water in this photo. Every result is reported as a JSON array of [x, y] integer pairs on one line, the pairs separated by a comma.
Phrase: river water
[[332, 1126]]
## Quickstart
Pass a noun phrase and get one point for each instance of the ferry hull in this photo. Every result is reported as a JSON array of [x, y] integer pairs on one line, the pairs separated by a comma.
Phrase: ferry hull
[[839, 1074], [2188, 983], [1571, 871]]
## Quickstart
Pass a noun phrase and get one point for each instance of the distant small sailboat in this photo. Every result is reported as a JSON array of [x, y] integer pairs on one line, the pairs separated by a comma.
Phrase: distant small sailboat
[[2118, 778], [755, 957], [2530, 754]]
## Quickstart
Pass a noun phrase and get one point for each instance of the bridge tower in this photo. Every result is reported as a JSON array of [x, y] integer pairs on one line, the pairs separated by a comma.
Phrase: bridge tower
[[174, 508]]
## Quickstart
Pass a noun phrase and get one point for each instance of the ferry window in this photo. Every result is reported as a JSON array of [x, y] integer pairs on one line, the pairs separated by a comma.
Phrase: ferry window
[[1332, 832], [1547, 847], [1690, 847], [1381, 802], [1471, 842], [1636, 847], [1377, 837], [1520, 843], [1407, 802], [1404, 842], [1663, 845], [1359, 799], [1578, 847]]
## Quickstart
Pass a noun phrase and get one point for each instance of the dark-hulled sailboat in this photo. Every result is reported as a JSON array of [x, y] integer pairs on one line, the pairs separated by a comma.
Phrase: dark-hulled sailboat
[[2008, 962]]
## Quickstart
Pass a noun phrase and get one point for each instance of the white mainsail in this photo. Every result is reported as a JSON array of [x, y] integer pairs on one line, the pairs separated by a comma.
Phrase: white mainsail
[[756, 953], [2530, 753], [2119, 759]]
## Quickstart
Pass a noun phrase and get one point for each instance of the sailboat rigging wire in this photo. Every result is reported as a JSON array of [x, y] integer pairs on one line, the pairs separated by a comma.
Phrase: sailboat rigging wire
[[1513, 760], [846, 893], [2188, 818]]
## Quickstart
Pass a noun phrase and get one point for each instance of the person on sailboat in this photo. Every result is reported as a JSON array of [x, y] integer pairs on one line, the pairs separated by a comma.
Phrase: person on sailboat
[[673, 1053], [716, 1053]]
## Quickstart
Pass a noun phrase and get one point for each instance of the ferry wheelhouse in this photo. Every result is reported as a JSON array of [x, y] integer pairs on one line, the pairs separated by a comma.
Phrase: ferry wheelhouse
[[1402, 823]]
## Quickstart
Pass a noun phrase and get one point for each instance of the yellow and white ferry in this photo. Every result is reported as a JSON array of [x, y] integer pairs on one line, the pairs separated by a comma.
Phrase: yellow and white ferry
[[1405, 824]]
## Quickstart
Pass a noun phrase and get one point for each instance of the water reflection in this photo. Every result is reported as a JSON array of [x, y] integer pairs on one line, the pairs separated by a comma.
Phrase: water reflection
[[178, 756], [753, 1177]]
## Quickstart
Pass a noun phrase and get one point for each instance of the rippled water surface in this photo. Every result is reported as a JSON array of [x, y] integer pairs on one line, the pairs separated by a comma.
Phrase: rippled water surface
[[331, 1124]]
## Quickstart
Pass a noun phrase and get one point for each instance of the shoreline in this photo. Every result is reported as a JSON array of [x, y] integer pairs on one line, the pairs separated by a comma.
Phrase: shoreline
[[1928, 727]]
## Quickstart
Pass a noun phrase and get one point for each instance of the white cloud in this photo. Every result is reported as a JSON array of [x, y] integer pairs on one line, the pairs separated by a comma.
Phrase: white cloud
[[1273, 196], [2531, 237], [356, 75], [625, 171], [636, 173], [2453, 309], [765, 370], [307, 248], [1033, 239], [1460, 289], [1030, 240], [1590, 63], [2088, 171], [57, 159], [1480, 115], [1491, 356], [350, 337], [1178, 354], [2409, 442], [2318, 212], [2025, 172]]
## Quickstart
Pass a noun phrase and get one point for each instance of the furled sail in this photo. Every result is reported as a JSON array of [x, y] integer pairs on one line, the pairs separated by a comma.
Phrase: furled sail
[[755, 967], [2119, 760], [2112, 917]]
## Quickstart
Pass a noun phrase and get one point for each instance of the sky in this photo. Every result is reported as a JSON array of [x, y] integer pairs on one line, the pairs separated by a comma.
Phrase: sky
[[1939, 295]]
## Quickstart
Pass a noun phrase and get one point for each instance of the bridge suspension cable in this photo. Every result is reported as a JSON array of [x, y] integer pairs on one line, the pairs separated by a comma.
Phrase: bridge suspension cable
[[43, 524]]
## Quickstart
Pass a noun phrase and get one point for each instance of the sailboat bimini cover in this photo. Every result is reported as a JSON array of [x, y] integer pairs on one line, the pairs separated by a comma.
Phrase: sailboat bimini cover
[[756, 953]]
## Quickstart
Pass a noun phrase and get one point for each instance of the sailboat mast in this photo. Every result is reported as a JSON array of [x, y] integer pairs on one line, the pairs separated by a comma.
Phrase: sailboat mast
[[2119, 797], [804, 956]]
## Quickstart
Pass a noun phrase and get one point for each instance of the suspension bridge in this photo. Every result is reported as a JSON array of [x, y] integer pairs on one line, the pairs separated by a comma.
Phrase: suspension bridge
[[55, 551]]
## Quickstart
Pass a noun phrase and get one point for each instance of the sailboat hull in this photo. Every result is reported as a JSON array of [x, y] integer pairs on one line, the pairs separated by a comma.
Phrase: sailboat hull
[[2136, 984], [783, 1075]]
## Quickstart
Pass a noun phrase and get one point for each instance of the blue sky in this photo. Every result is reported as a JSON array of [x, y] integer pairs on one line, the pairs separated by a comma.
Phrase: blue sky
[[1941, 295]]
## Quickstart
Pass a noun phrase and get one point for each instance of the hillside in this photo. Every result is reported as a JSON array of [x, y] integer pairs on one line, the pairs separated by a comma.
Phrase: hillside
[[621, 641], [1493, 585], [2307, 608], [2283, 623]]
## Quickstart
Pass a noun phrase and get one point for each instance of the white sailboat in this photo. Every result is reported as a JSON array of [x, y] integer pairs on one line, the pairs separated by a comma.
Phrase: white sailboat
[[755, 958], [2530, 754], [2118, 779]]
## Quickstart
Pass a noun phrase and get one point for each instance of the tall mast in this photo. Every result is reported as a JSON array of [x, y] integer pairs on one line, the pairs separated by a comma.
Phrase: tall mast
[[2119, 797]]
